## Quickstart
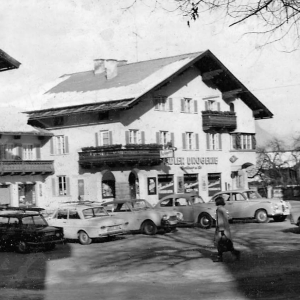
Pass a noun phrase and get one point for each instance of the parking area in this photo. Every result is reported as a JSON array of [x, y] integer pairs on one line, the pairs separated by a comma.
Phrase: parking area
[[166, 266]]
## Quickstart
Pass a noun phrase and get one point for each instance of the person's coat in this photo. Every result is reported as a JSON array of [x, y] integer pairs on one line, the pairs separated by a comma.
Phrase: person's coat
[[222, 224]]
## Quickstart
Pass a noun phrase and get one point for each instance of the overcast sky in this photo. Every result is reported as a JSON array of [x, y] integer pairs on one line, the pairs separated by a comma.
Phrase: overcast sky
[[52, 38]]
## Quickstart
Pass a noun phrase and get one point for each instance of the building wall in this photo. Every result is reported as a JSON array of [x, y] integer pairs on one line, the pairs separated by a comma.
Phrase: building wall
[[81, 130]]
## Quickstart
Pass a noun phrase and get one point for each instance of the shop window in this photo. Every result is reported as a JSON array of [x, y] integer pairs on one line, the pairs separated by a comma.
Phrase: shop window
[[214, 141], [214, 183], [59, 145], [191, 183], [165, 185]]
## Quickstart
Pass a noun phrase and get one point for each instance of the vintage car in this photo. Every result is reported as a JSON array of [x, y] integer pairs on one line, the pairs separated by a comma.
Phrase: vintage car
[[142, 216], [248, 204], [85, 221], [25, 229], [195, 211]]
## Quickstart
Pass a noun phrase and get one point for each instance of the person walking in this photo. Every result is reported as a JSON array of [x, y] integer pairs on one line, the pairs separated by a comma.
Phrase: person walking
[[223, 238]]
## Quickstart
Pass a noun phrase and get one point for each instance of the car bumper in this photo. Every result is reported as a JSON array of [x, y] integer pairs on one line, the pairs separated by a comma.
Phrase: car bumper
[[61, 241], [111, 233], [169, 224]]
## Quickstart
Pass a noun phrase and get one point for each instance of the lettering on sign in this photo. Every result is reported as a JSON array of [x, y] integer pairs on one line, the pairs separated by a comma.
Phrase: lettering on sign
[[193, 161]]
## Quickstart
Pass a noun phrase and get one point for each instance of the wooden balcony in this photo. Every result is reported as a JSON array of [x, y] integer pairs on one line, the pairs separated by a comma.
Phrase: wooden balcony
[[119, 157], [26, 167], [218, 120]]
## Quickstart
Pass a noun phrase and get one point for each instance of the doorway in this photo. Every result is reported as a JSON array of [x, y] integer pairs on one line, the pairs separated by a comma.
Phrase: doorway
[[134, 186], [26, 194]]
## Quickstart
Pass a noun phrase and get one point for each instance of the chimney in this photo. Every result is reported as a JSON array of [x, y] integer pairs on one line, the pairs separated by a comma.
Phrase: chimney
[[111, 68], [99, 67]]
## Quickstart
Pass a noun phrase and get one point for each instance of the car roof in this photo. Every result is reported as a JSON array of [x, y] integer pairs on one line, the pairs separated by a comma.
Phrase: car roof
[[182, 195], [18, 214], [123, 201], [236, 190]]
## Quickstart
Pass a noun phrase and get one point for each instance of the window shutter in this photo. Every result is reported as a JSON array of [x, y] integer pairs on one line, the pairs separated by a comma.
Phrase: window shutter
[[155, 100], [38, 151], [195, 106], [220, 141], [110, 138], [238, 141], [183, 141], [96, 139], [197, 141], [182, 105], [19, 150], [66, 144], [207, 142], [170, 104], [127, 137], [218, 105], [143, 137], [233, 141], [157, 138], [68, 186], [206, 105], [253, 142], [172, 139], [54, 187], [52, 145]]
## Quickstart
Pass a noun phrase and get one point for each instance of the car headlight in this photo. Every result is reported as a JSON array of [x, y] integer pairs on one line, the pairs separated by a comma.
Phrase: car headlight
[[179, 216], [165, 217]]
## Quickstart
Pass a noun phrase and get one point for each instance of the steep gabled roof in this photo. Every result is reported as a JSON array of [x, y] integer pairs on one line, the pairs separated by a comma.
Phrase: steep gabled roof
[[85, 91], [7, 62]]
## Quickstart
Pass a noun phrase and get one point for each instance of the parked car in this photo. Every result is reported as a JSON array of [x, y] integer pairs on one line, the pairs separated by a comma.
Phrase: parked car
[[248, 204], [27, 228], [86, 221], [142, 216], [195, 211], [295, 215]]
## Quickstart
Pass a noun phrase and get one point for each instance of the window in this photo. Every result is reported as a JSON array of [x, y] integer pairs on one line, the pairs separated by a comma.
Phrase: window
[[190, 141], [163, 137], [133, 136], [8, 151], [62, 185], [214, 141], [104, 138], [59, 145], [241, 141], [163, 103], [212, 105], [27, 153], [188, 105]]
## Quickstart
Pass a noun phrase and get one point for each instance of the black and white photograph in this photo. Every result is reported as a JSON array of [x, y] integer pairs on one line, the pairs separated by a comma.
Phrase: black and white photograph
[[149, 149]]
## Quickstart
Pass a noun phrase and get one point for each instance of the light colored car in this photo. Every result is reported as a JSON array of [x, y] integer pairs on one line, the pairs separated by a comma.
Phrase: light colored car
[[295, 215], [195, 211], [84, 222], [142, 217], [248, 204]]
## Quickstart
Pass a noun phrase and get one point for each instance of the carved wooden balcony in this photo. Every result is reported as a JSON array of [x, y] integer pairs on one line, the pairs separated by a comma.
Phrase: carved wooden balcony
[[139, 155], [218, 120], [26, 167]]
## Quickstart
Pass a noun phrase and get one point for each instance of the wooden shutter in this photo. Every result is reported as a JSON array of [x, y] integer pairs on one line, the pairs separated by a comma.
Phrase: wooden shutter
[[238, 141], [206, 105], [182, 105], [218, 105], [68, 186], [19, 150], [207, 142], [172, 139], [197, 141], [195, 106], [52, 145], [97, 139], [220, 141], [127, 137], [157, 138], [38, 151], [170, 104], [184, 141], [66, 144], [110, 137], [54, 187], [143, 137], [233, 141], [155, 101], [253, 142]]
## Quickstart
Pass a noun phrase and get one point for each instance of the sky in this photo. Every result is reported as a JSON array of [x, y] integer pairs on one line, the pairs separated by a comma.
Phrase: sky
[[57, 37]]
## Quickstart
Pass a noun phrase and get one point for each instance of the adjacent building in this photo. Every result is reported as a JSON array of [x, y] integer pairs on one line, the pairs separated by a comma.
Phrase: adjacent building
[[147, 129]]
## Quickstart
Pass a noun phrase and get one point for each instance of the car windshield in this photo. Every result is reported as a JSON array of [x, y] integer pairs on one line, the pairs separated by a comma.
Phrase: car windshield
[[252, 194], [38, 221], [94, 212], [140, 205]]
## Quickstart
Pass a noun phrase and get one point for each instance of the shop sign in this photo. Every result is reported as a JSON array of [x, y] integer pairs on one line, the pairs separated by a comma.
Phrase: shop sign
[[192, 161], [167, 153]]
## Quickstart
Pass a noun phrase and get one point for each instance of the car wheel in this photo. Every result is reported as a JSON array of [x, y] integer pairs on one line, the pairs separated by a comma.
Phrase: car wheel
[[50, 247], [149, 228], [84, 238], [279, 218], [261, 216], [22, 247], [205, 221]]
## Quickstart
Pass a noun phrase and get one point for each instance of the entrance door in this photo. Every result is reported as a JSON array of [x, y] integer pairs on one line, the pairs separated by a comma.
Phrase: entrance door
[[27, 194], [133, 186]]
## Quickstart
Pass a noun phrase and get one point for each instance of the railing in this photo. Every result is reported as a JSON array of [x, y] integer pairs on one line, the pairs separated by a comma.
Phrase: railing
[[23, 167], [218, 120], [119, 157]]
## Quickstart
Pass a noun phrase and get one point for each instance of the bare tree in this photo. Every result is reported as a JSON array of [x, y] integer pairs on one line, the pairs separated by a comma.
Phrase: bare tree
[[275, 19]]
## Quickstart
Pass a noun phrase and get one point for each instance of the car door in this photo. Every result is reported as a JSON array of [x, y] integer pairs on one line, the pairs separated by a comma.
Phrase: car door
[[183, 205], [124, 211], [60, 219], [239, 206]]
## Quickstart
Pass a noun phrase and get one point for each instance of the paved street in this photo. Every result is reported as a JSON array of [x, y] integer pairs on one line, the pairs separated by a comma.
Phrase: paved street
[[166, 266]]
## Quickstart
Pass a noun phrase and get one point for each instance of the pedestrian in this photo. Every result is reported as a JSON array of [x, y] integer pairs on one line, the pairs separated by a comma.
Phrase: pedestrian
[[223, 238]]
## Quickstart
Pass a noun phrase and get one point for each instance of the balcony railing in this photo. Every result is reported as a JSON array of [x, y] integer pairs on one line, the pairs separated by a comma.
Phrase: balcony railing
[[119, 157], [218, 120], [23, 167]]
